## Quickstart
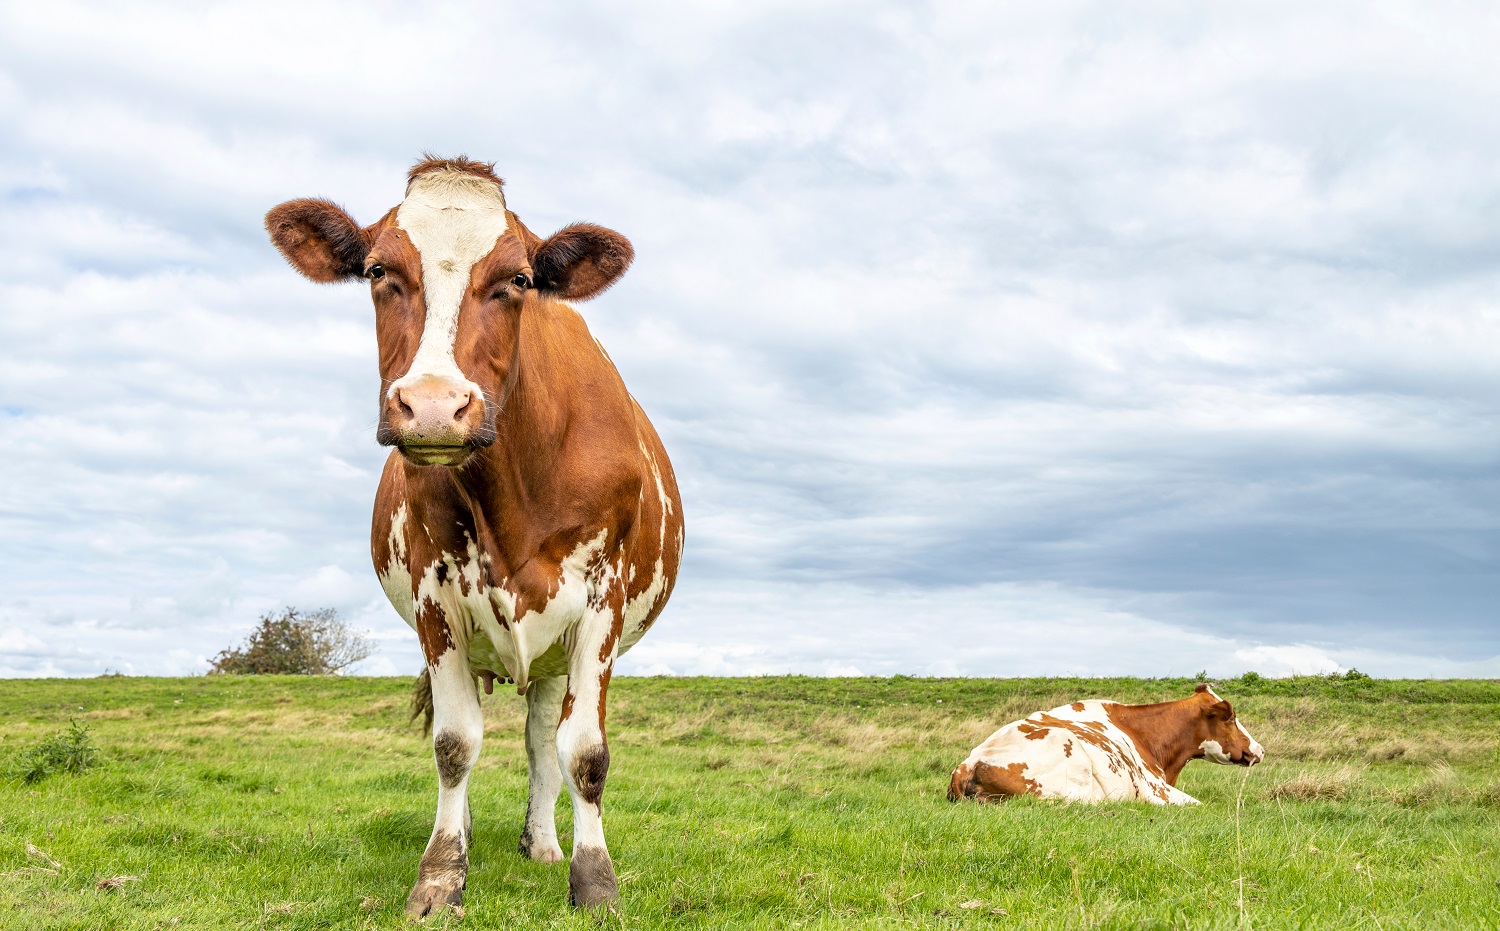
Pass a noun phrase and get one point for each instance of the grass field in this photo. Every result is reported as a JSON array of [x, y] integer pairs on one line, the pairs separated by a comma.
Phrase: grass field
[[777, 802]]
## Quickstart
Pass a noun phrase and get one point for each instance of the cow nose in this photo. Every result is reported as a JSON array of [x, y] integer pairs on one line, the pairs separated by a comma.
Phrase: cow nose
[[427, 406], [434, 411]]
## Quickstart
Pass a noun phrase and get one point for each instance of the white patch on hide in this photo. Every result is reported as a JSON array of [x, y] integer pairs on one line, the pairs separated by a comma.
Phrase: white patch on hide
[[395, 578], [473, 608], [1213, 751], [639, 608], [534, 632]]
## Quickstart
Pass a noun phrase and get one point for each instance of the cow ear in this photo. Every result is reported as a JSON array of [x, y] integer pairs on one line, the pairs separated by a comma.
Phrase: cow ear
[[1221, 709], [319, 239], [578, 262], [1202, 687]]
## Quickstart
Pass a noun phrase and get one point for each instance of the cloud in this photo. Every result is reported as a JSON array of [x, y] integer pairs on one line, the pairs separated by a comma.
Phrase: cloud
[[1175, 328], [1295, 659]]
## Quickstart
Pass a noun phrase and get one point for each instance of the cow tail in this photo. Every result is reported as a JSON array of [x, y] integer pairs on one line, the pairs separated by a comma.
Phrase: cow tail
[[421, 700]]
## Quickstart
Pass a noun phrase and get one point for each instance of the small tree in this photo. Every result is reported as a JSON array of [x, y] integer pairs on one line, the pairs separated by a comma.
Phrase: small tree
[[296, 643]]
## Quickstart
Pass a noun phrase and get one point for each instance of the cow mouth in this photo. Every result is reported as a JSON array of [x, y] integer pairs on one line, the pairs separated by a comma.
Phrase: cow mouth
[[435, 455]]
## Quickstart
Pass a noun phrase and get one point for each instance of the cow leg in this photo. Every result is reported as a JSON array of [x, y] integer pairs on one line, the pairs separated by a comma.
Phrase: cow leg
[[457, 732], [584, 755], [543, 707]]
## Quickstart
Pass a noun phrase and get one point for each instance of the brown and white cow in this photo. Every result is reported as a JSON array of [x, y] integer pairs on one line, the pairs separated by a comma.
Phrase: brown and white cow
[[1098, 751], [527, 525]]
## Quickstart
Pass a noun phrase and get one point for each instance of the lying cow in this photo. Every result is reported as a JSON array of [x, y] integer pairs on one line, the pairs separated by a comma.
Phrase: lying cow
[[1097, 751]]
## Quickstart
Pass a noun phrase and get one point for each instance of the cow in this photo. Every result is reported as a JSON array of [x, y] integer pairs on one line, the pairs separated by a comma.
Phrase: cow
[[527, 525], [1097, 751]]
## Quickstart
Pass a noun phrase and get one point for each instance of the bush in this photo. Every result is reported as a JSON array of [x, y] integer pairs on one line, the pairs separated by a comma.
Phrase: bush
[[314, 643], [68, 752]]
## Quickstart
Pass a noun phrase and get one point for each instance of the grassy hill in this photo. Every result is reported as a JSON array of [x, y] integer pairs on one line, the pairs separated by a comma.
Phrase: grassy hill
[[769, 802]]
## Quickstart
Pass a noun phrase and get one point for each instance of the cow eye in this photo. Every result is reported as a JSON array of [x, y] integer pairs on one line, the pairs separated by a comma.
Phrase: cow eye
[[521, 281], [375, 272]]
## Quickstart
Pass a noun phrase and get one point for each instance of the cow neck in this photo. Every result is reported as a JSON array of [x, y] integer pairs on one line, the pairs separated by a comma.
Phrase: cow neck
[[1163, 732], [511, 483]]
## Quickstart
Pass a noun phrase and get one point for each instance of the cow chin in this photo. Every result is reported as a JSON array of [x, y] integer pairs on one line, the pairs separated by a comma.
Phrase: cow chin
[[450, 456], [451, 450]]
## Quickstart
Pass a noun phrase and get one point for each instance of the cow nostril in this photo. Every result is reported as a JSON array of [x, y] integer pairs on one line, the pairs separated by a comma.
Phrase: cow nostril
[[405, 408], [463, 407]]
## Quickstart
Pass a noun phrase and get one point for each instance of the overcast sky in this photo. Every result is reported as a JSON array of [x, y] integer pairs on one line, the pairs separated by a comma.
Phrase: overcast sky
[[1051, 339]]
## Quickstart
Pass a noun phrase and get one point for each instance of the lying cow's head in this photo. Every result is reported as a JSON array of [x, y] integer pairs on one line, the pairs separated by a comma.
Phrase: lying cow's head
[[1221, 737], [451, 271]]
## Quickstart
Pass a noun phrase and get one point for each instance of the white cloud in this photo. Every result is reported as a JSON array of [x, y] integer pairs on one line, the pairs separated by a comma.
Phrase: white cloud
[[1293, 660]]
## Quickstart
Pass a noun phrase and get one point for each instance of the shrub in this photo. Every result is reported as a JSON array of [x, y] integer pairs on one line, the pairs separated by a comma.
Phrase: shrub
[[68, 752], [296, 643]]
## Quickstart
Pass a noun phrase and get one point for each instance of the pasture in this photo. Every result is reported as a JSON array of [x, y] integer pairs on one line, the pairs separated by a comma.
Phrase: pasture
[[279, 802]]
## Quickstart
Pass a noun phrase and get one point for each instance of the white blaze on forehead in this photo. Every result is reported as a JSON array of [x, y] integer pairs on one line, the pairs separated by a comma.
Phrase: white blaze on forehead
[[453, 219]]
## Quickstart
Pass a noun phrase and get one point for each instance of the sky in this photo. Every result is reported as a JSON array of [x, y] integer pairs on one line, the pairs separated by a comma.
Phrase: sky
[[986, 339]]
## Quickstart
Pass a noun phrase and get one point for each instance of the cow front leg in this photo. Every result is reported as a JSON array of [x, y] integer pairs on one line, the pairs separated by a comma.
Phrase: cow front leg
[[584, 754], [544, 700], [457, 732]]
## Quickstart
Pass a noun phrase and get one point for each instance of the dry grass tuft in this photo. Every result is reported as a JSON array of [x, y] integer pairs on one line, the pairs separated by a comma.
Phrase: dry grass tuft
[[1316, 787], [1387, 750], [1440, 786], [114, 882]]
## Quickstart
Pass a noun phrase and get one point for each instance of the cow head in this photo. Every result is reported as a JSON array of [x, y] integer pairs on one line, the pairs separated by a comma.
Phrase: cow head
[[1221, 737], [451, 272]]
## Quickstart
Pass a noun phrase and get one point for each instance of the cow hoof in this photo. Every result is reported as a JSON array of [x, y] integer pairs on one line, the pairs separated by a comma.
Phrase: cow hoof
[[543, 853], [429, 897], [542, 849], [591, 879]]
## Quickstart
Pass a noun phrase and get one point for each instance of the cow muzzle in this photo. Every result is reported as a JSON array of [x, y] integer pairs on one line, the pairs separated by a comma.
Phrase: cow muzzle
[[1255, 754], [435, 420]]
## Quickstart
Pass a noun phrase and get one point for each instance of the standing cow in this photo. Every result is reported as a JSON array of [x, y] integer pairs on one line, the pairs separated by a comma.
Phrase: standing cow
[[528, 525]]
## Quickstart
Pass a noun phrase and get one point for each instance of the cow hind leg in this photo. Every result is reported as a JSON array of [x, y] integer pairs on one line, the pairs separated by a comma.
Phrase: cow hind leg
[[584, 755], [457, 733], [996, 783], [543, 707]]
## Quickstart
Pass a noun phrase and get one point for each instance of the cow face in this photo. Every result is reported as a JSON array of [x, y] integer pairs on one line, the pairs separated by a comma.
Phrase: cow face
[[1221, 737], [451, 272]]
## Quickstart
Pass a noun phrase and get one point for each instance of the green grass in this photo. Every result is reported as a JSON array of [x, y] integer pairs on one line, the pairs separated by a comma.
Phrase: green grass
[[778, 802]]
